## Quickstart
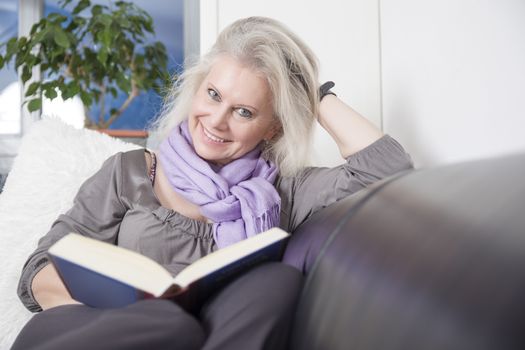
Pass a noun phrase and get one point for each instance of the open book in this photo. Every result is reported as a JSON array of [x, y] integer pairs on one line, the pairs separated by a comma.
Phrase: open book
[[104, 275]]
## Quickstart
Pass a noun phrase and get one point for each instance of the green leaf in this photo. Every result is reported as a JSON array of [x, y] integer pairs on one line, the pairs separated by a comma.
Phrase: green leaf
[[113, 91], [61, 87], [67, 92], [80, 21], [64, 3], [57, 56], [123, 83], [56, 18], [2, 61], [139, 60], [31, 60], [72, 89], [34, 105], [124, 22], [148, 25], [86, 98], [106, 37], [32, 89], [105, 19], [61, 38], [102, 56], [83, 4], [34, 28], [21, 42], [11, 47], [20, 60], [96, 10], [51, 93], [26, 74], [40, 36]]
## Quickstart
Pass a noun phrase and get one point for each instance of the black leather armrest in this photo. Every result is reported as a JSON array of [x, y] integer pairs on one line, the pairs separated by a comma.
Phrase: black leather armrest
[[432, 260]]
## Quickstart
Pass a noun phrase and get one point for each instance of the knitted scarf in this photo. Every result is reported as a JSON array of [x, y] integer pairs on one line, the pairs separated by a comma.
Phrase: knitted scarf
[[238, 197]]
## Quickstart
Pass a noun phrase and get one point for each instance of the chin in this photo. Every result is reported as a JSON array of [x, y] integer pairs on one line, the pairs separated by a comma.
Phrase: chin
[[209, 155]]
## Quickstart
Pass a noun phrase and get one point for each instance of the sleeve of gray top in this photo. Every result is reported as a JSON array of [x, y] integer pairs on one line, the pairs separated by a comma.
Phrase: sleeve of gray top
[[96, 212], [316, 188]]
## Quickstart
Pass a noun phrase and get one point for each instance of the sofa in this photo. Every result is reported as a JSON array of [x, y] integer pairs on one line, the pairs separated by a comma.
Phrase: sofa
[[426, 259]]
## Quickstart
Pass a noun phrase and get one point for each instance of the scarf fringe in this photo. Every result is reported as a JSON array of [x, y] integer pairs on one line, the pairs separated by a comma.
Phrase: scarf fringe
[[267, 219]]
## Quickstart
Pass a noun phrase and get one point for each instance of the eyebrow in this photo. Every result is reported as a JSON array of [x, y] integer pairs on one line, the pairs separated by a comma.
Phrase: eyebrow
[[240, 105]]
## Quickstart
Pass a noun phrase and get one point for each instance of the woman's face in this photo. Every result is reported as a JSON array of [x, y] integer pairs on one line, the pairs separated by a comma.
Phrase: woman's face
[[231, 113]]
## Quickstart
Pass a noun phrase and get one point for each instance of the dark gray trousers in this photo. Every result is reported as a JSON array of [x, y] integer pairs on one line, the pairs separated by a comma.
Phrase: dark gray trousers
[[254, 311]]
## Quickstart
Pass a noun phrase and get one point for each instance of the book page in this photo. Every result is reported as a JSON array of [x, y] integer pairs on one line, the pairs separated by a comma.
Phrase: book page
[[230, 254], [116, 262]]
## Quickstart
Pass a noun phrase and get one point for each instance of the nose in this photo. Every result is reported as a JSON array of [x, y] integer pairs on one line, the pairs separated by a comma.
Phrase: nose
[[218, 119]]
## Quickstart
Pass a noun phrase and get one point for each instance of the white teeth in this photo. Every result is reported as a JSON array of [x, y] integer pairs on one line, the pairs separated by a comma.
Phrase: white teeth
[[212, 137]]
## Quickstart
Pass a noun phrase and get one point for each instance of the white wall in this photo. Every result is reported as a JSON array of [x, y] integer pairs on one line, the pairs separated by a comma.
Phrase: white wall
[[444, 77], [454, 77], [343, 34]]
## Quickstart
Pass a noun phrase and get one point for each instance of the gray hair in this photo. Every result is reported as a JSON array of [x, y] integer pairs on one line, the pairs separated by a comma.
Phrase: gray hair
[[291, 69]]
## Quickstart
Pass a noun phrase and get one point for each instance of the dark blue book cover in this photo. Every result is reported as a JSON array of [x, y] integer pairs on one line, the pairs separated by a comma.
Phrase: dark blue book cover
[[99, 290]]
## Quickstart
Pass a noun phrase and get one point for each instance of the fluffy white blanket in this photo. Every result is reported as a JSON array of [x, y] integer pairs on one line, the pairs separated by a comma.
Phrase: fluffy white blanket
[[53, 161]]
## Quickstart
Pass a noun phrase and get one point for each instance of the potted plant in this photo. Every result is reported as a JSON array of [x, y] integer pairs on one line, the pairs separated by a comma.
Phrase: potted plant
[[93, 52]]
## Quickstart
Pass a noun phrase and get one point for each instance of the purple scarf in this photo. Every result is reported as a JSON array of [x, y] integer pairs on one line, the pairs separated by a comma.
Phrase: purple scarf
[[239, 197]]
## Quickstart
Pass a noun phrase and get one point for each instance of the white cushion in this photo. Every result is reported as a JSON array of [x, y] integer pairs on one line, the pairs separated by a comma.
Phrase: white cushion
[[53, 161]]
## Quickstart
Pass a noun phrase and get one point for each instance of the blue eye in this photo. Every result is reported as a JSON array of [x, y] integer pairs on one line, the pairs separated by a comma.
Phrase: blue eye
[[213, 94], [245, 113]]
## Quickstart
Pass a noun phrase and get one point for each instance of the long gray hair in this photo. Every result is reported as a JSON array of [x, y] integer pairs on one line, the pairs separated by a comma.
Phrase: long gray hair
[[291, 69]]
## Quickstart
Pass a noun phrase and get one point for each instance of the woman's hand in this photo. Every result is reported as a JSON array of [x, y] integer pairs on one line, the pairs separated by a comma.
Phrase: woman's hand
[[351, 131], [48, 289]]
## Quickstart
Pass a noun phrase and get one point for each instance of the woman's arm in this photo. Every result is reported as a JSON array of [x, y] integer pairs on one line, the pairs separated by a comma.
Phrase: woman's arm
[[48, 289], [370, 156], [351, 131], [97, 212]]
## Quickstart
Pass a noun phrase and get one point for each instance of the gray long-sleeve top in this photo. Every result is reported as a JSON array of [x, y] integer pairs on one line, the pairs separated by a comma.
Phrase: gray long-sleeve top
[[117, 205]]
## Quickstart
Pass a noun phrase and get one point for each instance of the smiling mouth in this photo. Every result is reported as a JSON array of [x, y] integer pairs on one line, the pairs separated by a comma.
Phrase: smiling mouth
[[212, 137]]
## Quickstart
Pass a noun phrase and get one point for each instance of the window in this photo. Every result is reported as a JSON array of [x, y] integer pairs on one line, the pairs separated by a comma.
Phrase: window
[[10, 122], [168, 22]]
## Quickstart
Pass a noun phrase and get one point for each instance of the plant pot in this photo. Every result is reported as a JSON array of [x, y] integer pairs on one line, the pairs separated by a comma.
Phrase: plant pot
[[139, 137]]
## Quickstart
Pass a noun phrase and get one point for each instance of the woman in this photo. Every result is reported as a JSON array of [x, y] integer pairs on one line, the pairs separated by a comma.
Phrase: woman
[[232, 164]]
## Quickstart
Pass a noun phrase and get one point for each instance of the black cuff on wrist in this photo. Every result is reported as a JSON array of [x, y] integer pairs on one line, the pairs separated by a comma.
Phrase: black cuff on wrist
[[325, 90]]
